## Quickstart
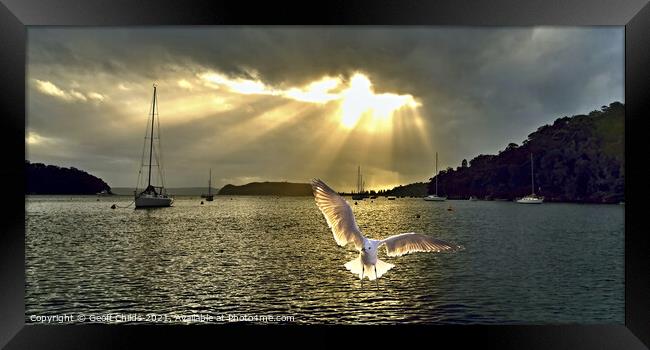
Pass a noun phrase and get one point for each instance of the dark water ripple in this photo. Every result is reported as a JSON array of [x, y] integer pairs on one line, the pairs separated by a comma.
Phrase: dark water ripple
[[554, 263]]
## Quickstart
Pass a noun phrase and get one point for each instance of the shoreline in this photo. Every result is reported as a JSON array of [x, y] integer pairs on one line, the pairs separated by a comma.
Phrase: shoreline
[[189, 196]]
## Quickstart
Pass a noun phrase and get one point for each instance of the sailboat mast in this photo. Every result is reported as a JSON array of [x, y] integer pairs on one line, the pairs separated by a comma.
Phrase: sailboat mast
[[210, 182], [359, 179], [436, 174], [153, 113], [532, 179]]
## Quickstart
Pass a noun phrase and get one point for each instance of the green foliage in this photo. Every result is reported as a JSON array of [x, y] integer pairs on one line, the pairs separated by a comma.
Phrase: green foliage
[[418, 189], [51, 179], [577, 159], [268, 189]]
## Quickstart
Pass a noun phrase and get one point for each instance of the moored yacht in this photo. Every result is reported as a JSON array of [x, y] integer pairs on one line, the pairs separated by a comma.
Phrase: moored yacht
[[209, 197], [531, 198], [152, 196], [360, 194], [435, 197]]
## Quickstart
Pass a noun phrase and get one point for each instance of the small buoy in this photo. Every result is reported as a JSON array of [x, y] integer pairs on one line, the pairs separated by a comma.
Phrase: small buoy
[[201, 202], [355, 203], [450, 208], [98, 199], [417, 216], [113, 206]]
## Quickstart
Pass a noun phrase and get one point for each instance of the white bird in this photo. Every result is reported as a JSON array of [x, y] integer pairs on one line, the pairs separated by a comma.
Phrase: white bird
[[340, 219]]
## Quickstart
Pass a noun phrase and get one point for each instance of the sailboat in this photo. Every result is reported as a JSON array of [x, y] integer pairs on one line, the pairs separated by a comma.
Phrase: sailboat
[[360, 192], [152, 196], [435, 197], [209, 197], [531, 198]]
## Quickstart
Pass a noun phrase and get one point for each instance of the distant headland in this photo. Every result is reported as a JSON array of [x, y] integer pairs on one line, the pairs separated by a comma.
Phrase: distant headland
[[577, 159], [268, 189], [51, 179]]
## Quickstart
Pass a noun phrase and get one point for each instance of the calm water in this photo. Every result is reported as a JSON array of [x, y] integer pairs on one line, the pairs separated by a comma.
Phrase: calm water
[[553, 263]]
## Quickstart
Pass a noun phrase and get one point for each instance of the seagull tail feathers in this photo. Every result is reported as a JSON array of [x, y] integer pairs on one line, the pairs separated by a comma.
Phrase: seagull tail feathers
[[382, 268], [356, 266]]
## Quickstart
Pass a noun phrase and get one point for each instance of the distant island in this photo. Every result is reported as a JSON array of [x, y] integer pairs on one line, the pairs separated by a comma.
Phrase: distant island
[[577, 159], [267, 189], [51, 179]]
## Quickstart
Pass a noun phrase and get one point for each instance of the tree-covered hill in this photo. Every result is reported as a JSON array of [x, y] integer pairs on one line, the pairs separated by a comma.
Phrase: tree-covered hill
[[268, 188], [418, 189], [577, 159], [51, 179]]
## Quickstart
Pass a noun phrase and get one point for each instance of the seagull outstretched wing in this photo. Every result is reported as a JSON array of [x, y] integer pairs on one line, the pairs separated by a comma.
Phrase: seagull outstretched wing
[[406, 243], [338, 214]]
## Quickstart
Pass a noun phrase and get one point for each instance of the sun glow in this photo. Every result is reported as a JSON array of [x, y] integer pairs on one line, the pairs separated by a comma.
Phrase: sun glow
[[34, 139], [239, 85], [359, 105], [316, 92], [360, 102], [339, 113]]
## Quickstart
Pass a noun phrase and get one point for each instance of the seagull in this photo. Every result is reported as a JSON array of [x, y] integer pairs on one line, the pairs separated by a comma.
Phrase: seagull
[[340, 219]]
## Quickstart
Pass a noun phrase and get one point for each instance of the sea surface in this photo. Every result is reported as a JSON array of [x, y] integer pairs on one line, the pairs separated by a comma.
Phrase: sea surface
[[273, 259]]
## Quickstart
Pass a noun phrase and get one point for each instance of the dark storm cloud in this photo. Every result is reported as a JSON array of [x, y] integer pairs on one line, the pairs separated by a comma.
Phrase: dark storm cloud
[[480, 88]]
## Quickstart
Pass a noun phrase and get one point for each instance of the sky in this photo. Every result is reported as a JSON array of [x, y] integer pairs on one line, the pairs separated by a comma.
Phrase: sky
[[295, 103]]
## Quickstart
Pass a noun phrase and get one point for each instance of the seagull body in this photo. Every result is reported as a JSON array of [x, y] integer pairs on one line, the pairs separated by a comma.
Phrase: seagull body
[[339, 217]]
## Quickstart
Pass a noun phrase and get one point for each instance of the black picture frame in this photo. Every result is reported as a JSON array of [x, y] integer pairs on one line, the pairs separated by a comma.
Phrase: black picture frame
[[15, 15]]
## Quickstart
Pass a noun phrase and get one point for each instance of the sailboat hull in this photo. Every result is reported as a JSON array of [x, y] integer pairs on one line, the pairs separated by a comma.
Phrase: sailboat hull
[[530, 200], [148, 201]]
